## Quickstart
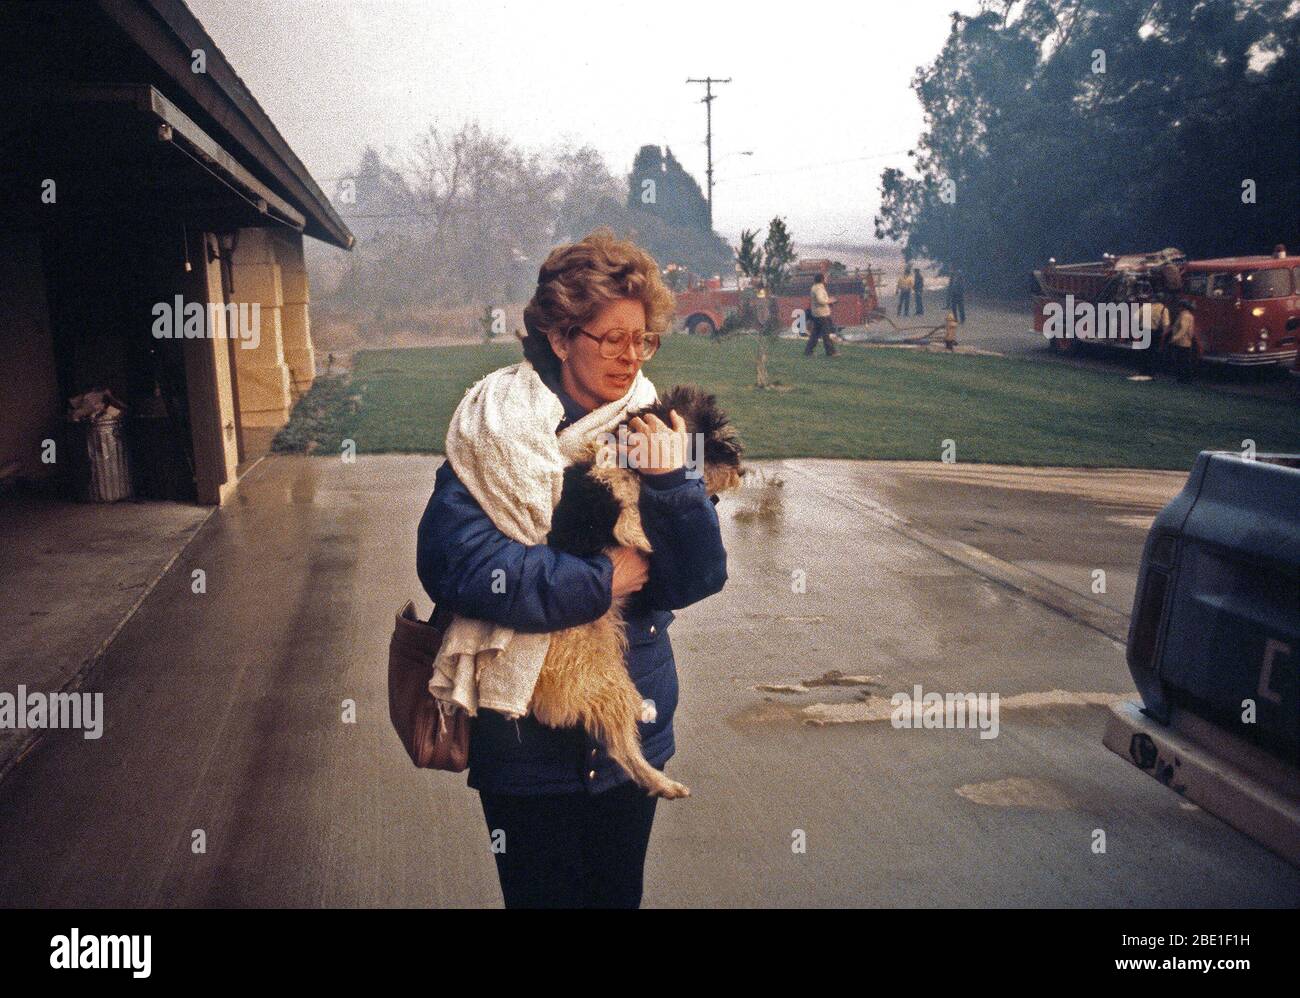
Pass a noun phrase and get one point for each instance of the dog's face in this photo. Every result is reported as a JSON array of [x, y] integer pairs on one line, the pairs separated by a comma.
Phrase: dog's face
[[598, 506], [706, 423]]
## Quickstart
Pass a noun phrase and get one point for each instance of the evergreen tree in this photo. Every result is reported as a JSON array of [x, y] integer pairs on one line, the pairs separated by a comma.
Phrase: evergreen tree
[[1069, 128], [778, 254]]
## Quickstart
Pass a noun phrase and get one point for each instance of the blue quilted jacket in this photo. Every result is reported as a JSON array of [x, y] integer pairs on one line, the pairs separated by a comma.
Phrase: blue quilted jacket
[[458, 551]]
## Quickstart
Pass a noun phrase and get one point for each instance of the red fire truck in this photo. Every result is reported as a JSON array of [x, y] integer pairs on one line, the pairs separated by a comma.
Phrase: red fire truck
[[1247, 308], [703, 306]]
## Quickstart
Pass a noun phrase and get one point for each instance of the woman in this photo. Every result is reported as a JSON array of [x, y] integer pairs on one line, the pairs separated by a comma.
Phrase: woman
[[568, 827]]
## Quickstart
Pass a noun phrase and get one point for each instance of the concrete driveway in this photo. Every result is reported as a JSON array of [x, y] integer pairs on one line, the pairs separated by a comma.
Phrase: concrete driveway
[[224, 719]]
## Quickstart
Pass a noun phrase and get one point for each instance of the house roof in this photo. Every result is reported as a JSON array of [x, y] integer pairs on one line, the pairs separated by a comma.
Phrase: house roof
[[168, 33]]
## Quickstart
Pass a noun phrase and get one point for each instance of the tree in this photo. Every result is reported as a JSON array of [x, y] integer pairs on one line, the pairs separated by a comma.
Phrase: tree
[[589, 195], [465, 218], [660, 186], [772, 262], [778, 254], [1067, 128], [749, 255]]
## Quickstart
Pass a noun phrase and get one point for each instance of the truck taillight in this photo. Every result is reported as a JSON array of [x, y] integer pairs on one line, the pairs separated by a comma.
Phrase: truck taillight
[[1150, 610]]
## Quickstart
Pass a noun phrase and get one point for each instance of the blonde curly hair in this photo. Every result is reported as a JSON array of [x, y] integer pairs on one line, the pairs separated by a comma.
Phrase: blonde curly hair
[[580, 279]]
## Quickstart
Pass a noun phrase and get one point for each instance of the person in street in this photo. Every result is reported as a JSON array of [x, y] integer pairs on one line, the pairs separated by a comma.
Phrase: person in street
[[1158, 331], [1181, 335], [950, 331], [918, 290], [904, 287], [575, 827], [957, 294], [822, 325], [1171, 279]]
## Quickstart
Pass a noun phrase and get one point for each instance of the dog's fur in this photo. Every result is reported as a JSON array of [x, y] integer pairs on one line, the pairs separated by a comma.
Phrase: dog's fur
[[584, 678]]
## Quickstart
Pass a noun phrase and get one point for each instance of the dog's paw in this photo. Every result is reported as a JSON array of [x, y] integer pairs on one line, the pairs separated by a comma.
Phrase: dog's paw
[[670, 789]]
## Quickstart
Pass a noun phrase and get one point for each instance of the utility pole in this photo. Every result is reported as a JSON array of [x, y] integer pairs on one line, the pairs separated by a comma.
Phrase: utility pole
[[707, 101]]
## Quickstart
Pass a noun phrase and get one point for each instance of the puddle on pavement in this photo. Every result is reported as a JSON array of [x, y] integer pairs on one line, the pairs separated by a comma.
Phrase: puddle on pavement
[[760, 498], [764, 714], [1018, 791], [836, 678], [867, 707], [832, 677], [879, 708]]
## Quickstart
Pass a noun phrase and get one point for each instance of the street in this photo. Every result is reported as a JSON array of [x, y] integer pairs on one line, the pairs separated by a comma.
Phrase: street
[[1007, 327], [240, 744]]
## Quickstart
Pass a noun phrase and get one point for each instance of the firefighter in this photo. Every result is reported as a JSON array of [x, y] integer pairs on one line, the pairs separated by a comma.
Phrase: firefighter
[[821, 317], [1158, 332], [918, 289], [950, 331], [1171, 278], [904, 287], [957, 293], [1181, 335]]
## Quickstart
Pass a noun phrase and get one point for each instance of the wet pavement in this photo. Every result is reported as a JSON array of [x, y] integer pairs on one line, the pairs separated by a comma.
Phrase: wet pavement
[[73, 572], [226, 715]]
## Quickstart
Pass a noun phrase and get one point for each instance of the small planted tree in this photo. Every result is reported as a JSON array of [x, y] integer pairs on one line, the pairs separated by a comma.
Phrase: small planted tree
[[749, 255], [777, 256]]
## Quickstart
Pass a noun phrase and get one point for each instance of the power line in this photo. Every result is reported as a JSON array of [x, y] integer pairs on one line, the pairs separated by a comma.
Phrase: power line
[[707, 100]]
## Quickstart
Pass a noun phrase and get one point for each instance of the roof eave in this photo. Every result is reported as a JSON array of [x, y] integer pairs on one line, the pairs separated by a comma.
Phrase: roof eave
[[168, 39]]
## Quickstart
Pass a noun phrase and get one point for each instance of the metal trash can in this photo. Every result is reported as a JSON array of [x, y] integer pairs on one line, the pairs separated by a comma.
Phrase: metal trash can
[[101, 468]]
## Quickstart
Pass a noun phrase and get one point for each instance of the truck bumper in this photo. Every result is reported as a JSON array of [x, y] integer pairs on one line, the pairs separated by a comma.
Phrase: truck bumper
[[1251, 359], [1253, 791]]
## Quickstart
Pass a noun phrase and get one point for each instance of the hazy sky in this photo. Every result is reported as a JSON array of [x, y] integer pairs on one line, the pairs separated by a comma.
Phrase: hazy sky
[[822, 99]]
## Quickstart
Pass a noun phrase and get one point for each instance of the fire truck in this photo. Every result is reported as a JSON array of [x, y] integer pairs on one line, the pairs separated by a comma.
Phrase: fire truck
[[1246, 308], [703, 306]]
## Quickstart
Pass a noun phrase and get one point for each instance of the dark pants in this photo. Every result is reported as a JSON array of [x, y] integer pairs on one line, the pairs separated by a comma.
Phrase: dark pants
[[920, 303], [821, 326], [1147, 359], [1184, 362], [904, 302], [957, 305], [575, 850]]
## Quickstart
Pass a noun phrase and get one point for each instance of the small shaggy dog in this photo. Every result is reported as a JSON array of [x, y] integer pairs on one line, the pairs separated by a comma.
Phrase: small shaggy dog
[[584, 678]]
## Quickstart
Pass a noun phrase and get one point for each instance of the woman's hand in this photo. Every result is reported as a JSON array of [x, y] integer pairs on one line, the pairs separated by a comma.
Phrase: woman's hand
[[631, 570], [653, 448]]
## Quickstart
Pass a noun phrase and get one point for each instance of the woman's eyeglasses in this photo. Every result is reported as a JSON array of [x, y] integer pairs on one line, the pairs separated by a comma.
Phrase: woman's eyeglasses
[[615, 341]]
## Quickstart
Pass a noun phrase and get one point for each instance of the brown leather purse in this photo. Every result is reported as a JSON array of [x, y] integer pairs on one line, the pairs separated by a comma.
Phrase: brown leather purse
[[435, 734]]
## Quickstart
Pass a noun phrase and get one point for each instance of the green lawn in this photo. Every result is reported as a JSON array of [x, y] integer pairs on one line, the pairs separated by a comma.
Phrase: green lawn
[[867, 403]]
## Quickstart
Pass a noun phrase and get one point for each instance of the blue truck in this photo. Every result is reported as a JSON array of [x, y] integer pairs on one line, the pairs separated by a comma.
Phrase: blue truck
[[1215, 629]]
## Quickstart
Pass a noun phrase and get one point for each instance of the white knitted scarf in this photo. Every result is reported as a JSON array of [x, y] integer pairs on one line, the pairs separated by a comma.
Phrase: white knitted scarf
[[503, 447]]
